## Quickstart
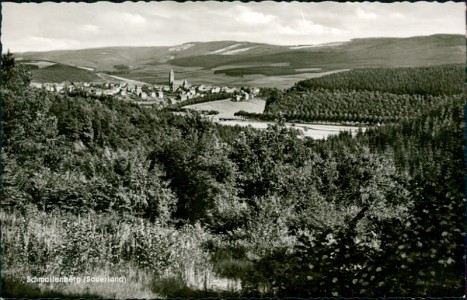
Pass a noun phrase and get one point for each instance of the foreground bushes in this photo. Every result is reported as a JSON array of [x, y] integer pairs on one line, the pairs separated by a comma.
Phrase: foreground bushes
[[53, 244]]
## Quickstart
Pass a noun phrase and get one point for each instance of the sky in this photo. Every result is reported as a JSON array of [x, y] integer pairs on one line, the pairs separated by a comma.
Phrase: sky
[[59, 26]]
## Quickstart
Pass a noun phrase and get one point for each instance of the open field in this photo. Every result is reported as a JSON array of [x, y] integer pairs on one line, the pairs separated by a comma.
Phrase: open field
[[249, 65], [284, 81], [60, 73], [263, 70], [107, 77], [40, 64], [158, 74], [228, 108], [315, 131]]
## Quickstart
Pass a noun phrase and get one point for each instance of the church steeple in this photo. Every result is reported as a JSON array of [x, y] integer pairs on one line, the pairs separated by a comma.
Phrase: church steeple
[[171, 77]]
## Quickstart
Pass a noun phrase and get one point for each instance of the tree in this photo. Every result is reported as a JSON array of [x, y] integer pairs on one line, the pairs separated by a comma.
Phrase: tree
[[341, 234], [196, 165], [13, 76], [260, 155]]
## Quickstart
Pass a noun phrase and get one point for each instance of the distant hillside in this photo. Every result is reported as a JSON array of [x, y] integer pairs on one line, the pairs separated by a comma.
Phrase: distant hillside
[[101, 59], [389, 52], [414, 51], [60, 73], [243, 63], [106, 59]]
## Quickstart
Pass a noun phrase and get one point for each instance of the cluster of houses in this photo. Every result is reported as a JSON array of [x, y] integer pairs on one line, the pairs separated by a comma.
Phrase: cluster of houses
[[185, 91], [176, 91], [246, 94], [122, 89]]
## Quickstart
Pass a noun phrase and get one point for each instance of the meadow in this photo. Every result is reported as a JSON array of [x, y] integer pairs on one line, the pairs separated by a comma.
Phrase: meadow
[[60, 73], [227, 108], [247, 75]]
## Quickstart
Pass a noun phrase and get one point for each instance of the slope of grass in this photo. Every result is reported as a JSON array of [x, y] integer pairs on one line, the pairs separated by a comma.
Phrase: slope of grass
[[60, 73], [263, 70], [389, 52], [228, 108]]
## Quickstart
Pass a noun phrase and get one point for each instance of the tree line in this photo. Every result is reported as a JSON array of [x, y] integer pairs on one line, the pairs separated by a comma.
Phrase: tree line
[[365, 107], [434, 80], [366, 96]]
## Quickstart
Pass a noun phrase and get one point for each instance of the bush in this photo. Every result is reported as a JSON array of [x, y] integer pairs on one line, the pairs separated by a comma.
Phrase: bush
[[54, 244]]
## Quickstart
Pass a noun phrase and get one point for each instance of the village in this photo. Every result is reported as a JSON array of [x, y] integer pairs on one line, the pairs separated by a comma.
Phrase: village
[[175, 91]]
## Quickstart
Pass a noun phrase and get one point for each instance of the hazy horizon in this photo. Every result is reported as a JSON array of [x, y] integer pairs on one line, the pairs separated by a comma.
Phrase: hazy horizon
[[4, 50], [33, 27]]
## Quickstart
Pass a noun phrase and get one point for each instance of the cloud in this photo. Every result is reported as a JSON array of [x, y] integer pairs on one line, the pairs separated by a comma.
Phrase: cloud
[[90, 28], [362, 14], [133, 18], [114, 19], [40, 43], [396, 15], [252, 17], [305, 27]]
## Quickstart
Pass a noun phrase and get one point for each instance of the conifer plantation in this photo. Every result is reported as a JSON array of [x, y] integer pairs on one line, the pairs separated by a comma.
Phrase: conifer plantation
[[180, 205]]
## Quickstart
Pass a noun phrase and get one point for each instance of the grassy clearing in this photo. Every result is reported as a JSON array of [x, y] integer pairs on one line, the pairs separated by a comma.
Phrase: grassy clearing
[[61, 73], [315, 131], [228, 108], [263, 70], [250, 65], [284, 81], [40, 64]]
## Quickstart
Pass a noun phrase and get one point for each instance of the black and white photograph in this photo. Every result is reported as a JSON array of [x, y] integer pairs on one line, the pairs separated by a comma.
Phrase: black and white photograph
[[157, 150]]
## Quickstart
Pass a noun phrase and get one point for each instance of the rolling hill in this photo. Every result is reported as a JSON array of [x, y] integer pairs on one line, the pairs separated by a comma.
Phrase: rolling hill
[[389, 52], [60, 72], [106, 59], [233, 62]]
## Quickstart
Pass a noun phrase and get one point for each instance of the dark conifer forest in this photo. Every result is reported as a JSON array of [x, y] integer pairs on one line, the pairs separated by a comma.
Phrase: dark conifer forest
[[176, 203]]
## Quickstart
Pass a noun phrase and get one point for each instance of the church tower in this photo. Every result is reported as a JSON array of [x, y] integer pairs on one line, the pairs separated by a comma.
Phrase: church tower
[[171, 77]]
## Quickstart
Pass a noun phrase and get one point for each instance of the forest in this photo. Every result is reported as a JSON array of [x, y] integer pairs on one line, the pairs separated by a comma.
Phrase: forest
[[367, 95], [177, 204]]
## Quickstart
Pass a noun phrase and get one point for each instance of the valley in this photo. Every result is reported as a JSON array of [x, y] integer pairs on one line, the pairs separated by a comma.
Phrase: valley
[[232, 169]]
